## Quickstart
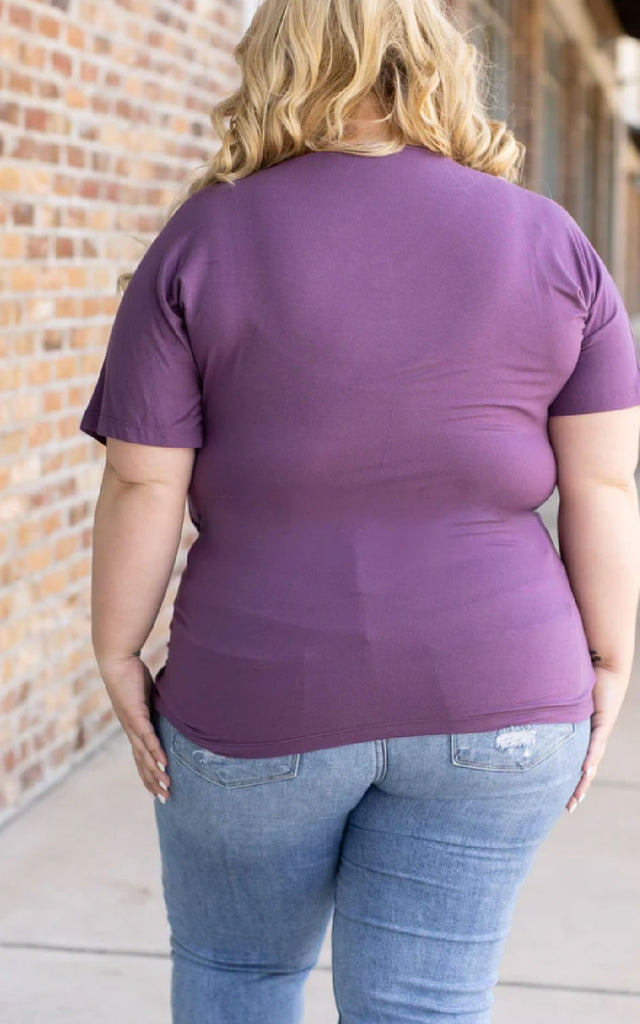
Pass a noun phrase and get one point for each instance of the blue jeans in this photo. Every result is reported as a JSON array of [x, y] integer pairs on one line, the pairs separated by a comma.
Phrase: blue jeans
[[418, 846]]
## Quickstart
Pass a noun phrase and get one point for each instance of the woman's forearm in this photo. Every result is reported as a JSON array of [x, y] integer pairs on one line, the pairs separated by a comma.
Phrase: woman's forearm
[[136, 534], [599, 540]]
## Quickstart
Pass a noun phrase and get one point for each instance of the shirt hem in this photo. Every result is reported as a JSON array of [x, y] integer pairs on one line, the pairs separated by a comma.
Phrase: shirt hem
[[106, 426], [576, 711]]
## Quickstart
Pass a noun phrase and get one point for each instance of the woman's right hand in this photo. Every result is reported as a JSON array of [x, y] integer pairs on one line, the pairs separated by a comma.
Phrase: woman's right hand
[[608, 694]]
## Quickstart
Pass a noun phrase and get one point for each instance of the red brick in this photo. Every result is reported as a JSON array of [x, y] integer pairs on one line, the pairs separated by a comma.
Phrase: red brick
[[20, 16], [48, 27], [35, 119], [17, 82], [38, 246], [32, 55], [22, 213], [64, 248], [10, 112], [88, 72], [61, 63]]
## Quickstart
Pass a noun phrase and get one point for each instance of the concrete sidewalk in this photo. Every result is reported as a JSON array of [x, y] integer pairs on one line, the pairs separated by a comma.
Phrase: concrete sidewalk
[[84, 937], [83, 933]]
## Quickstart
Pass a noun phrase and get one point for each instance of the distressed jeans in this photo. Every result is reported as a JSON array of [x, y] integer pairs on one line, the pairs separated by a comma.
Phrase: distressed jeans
[[418, 847]]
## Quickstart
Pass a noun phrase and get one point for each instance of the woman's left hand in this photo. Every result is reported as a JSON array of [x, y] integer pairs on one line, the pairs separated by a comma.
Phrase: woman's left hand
[[129, 684]]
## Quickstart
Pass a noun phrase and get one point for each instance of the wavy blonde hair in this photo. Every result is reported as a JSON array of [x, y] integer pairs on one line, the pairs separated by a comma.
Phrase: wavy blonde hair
[[308, 64]]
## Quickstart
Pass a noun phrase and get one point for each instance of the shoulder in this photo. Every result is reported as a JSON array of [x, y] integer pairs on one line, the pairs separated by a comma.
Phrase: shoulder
[[196, 229], [195, 213], [557, 243], [547, 221], [542, 219]]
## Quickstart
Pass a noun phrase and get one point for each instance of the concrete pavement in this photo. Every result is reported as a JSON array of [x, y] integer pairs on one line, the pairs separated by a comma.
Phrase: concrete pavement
[[84, 937]]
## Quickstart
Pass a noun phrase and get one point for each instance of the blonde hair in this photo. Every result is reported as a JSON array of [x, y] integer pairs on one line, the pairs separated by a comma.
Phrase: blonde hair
[[308, 64]]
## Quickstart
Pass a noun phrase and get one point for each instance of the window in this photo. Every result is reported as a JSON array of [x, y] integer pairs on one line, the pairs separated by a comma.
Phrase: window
[[609, 168], [552, 133], [490, 22], [589, 163]]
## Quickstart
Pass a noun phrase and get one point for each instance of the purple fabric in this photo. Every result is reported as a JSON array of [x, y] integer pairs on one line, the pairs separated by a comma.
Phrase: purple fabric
[[365, 351]]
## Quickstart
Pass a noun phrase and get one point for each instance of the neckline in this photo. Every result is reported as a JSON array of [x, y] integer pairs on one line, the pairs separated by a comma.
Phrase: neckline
[[370, 156]]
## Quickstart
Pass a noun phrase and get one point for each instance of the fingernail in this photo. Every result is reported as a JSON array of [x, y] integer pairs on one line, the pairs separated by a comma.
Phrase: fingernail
[[573, 807], [580, 799], [590, 770], [160, 765], [161, 798], [163, 784]]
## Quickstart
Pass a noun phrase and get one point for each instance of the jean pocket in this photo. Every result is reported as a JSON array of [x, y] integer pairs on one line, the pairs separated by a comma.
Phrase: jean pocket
[[514, 748], [232, 771]]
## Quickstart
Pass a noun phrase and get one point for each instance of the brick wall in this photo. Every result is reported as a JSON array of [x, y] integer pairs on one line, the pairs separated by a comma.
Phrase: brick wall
[[103, 113]]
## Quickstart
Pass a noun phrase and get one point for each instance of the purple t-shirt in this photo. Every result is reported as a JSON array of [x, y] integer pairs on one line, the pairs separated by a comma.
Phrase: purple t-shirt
[[364, 351]]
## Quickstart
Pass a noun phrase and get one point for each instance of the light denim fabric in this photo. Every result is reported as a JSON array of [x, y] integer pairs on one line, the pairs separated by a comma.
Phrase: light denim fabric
[[418, 846]]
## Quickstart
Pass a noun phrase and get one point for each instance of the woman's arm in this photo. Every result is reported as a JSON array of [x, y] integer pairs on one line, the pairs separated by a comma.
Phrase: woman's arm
[[599, 527], [138, 523], [137, 527], [599, 540]]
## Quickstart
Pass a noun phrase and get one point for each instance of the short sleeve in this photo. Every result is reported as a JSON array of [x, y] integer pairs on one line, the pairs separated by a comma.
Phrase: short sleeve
[[607, 373], [148, 390]]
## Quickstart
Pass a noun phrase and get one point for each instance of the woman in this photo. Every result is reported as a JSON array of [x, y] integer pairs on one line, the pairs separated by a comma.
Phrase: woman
[[365, 375]]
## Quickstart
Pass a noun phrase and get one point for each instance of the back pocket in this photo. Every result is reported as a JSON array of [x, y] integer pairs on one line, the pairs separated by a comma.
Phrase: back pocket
[[232, 771], [513, 748]]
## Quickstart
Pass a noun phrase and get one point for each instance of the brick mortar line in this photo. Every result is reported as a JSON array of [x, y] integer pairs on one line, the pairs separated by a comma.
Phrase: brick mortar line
[[71, 230], [60, 200], [89, 291], [57, 105], [108, 177], [47, 73], [100, 149], [69, 531], [144, 73], [63, 504], [77, 114], [47, 262], [112, 176], [56, 477], [77, 142], [56, 385], [34, 198], [60, 323]]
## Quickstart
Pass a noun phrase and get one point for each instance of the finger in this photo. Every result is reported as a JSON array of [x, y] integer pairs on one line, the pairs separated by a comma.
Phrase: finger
[[579, 793], [142, 752], [146, 738], [146, 759], [581, 789], [149, 737], [597, 745], [150, 781]]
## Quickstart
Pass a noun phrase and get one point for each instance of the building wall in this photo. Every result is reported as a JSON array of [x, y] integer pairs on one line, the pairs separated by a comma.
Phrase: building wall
[[631, 236], [629, 71], [565, 104], [104, 110]]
